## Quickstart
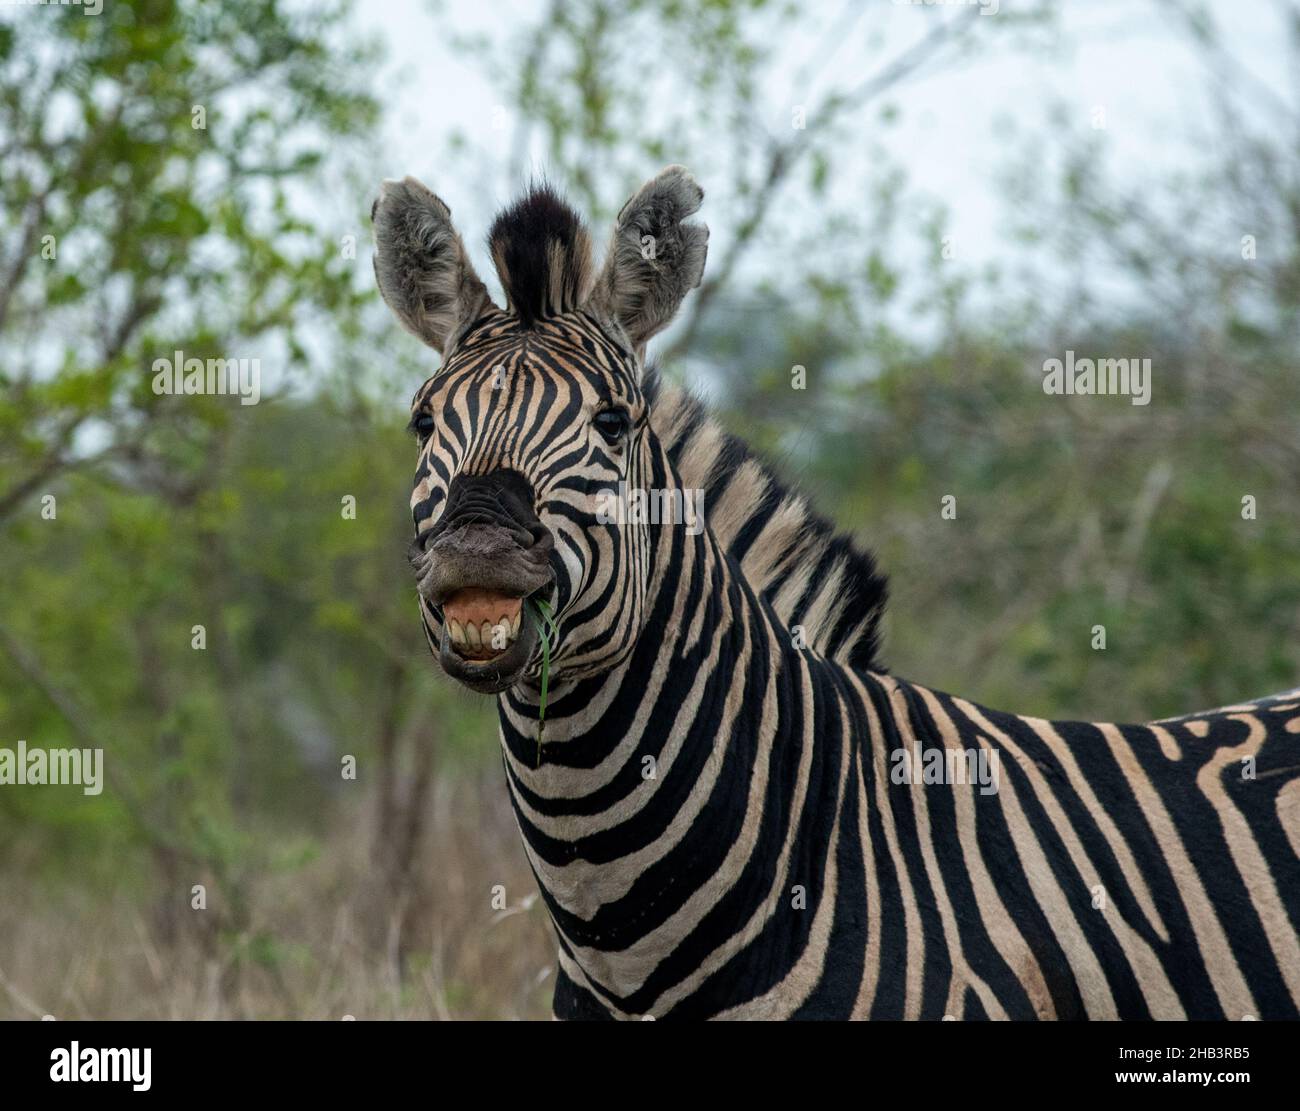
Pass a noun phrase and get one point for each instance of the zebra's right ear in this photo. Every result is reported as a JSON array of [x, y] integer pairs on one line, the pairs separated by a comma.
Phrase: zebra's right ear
[[421, 265], [656, 258]]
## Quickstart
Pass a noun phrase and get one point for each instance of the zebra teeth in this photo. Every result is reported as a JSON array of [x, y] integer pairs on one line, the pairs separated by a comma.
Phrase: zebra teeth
[[482, 624]]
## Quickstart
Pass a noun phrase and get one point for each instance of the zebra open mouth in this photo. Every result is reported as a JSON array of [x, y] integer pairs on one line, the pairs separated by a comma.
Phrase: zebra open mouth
[[506, 640], [482, 624]]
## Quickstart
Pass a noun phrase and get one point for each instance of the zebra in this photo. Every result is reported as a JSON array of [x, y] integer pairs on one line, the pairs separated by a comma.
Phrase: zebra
[[731, 807]]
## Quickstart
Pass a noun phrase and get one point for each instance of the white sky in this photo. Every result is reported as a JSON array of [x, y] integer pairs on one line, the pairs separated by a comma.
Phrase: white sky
[[1125, 57]]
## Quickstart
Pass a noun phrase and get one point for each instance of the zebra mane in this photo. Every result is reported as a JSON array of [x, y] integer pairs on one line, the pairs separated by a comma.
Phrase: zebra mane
[[796, 560], [542, 254]]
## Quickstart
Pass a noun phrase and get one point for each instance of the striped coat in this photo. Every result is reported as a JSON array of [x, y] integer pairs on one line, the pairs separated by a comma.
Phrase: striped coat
[[731, 808]]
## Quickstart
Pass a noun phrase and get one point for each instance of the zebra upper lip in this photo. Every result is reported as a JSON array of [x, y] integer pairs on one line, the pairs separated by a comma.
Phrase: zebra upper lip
[[481, 557]]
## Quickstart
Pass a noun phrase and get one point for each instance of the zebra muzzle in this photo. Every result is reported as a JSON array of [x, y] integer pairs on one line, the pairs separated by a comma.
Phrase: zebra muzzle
[[478, 564], [479, 578]]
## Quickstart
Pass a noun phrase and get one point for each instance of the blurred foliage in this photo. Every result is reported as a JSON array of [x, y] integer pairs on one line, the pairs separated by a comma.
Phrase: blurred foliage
[[924, 379]]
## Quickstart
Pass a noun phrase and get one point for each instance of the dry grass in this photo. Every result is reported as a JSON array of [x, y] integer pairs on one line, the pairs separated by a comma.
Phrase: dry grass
[[321, 941]]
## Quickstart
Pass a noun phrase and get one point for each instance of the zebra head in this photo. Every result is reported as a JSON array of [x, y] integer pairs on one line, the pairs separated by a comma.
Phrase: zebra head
[[536, 414]]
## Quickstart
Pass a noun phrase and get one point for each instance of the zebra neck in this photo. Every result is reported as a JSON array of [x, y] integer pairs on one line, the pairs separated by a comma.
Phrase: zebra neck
[[691, 598], [647, 819], [693, 644]]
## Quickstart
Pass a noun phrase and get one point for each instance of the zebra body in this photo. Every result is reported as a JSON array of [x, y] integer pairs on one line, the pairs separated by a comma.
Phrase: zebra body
[[1102, 876], [732, 810]]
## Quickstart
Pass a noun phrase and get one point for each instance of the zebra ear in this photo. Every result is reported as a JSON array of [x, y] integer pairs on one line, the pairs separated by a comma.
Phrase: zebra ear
[[655, 258], [421, 265]]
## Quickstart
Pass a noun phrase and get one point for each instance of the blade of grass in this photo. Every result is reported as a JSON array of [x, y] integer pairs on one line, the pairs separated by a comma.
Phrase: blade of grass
[[546, 628]]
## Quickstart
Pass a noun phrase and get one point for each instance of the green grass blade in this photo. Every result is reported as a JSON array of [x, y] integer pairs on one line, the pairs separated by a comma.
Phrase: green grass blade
[[546, 628]]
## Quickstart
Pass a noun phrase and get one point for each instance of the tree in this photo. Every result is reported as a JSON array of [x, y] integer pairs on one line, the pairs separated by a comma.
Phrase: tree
[[155, 159]]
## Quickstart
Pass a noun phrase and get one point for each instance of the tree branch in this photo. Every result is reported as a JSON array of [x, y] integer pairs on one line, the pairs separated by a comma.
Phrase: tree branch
[[784, 156]]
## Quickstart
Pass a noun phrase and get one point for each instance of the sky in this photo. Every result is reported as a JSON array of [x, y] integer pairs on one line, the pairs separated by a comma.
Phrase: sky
[[1124, 58]]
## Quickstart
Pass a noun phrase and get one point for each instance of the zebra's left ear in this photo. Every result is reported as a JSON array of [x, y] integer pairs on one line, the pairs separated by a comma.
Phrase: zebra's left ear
[[655, 258]]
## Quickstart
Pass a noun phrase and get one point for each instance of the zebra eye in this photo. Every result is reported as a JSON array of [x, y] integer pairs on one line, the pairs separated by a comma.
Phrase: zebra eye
[[612, 424], [422, 425]]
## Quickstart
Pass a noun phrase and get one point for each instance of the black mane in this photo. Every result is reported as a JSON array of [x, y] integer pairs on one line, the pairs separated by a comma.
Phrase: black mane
[[799, 562], [542, 254]]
